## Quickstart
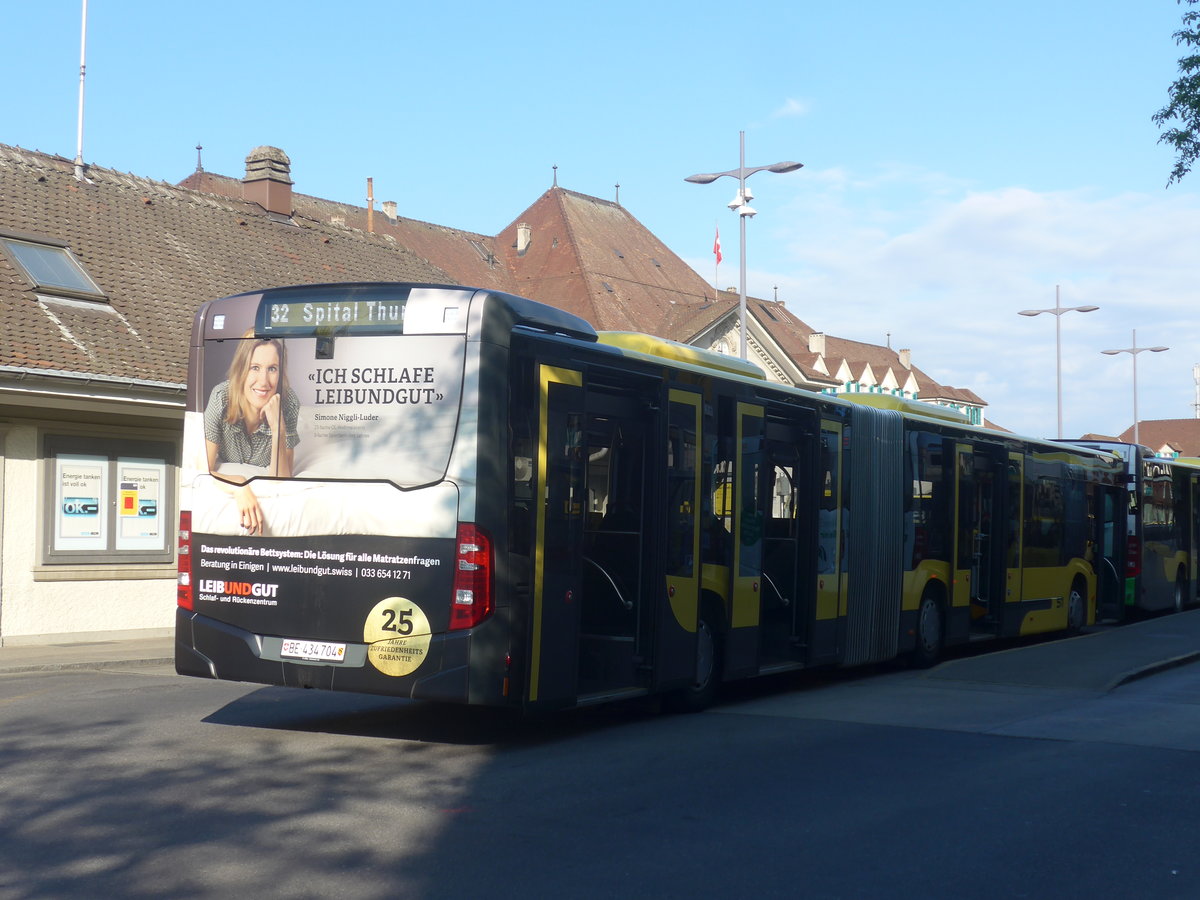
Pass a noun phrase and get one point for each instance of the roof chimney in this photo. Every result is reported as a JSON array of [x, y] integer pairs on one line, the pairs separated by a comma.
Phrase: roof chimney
[[389, 208], [816, 343], [524, 237], [268, 180], [905, 358]]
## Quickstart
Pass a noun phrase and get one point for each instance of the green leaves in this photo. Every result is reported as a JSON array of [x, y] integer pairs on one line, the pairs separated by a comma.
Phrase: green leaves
[[1180, 118]]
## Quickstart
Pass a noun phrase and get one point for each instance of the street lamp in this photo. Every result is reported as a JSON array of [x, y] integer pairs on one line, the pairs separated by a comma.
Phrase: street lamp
[[1057, 312], [741, 205], [1134, 351]]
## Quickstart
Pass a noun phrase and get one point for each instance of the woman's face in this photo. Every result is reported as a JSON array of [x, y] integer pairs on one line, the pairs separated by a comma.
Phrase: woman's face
[[262, 377]]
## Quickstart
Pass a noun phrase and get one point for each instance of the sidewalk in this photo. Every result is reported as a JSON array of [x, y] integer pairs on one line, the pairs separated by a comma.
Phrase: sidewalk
[[1102, 659], [87, 654]]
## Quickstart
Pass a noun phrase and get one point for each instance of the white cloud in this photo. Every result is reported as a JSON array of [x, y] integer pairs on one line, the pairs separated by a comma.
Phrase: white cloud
[[791, 108], [945, 270]]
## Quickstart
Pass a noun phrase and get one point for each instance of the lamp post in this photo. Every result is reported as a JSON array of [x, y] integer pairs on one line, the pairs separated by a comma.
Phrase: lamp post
[[741, 205], [1134, 351], [1057, 312]]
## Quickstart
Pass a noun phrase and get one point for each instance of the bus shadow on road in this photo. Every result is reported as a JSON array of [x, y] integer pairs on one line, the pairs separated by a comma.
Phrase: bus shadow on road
[[390, 718], [365, 715]]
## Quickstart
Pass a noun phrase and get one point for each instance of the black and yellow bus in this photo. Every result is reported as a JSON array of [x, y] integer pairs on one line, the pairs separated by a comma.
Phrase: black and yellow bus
[[1162, 530], [460, 495]]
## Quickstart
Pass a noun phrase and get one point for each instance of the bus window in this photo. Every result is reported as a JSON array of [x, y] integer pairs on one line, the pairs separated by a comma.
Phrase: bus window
[[717, 537], [1045, 522], [681, 488], [827, 527], [968, 511], [750, 524], [783, 494], [925, 513], [1013, 554]]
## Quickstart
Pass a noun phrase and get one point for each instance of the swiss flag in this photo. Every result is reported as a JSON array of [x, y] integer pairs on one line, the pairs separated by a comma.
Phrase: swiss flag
[[717, 246]]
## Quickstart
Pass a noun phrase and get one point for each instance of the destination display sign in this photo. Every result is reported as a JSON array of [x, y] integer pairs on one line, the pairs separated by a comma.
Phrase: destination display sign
[[313, 316]]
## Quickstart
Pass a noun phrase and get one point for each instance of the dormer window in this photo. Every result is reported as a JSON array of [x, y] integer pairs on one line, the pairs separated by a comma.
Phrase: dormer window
[[50, 266]]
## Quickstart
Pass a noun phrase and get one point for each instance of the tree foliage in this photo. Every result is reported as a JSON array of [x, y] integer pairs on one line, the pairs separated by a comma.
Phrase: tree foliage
[[1180, 119]]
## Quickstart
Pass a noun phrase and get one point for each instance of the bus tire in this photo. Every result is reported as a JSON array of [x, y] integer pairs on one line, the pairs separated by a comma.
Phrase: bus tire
[[702, 691], [930, 632], [1180, 591], [1076, 608]]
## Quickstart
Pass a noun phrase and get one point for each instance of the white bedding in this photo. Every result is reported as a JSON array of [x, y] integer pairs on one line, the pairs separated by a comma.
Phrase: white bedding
[[295, 507]]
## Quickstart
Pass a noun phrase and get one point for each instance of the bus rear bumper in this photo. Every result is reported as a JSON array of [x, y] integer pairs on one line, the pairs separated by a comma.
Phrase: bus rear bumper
[[200, 641]]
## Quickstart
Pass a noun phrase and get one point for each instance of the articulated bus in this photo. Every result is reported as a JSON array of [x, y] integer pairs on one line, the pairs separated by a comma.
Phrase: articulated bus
[[459, 495], [1162, 530]]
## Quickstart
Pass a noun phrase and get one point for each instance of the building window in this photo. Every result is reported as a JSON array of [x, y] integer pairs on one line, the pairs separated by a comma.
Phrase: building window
[[50, 266], [109, 500]]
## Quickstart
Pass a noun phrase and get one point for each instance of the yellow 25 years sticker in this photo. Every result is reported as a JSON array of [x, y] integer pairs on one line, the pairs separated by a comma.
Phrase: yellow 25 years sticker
[[397, 634]]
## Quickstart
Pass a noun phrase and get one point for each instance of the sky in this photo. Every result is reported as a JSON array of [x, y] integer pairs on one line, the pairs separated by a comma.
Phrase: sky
[[962, 161]]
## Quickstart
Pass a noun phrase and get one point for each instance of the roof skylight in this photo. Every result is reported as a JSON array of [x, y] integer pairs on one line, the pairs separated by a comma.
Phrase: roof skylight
[[50, 266]]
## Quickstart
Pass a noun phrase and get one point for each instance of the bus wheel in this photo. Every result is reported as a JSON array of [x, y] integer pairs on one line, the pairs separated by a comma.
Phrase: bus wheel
[[703, 690], [1076, 610], [1180, 591], [929, 632]]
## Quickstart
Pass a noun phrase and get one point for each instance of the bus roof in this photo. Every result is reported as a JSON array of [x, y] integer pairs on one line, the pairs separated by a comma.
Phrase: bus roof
[[684, 353], [909, 407]]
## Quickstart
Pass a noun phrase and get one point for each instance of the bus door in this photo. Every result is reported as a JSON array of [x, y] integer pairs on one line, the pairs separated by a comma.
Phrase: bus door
[[617, 559], [788, 474], [1188, 514], [676, 617], [745, 611], [1014, 530], [830, 574], [561, 505], [590, 621], [1112, 502], [978, 596]]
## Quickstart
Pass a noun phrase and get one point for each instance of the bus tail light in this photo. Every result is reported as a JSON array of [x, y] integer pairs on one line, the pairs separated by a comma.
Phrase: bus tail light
[[1133, 557], [183, 587], [473, 578]]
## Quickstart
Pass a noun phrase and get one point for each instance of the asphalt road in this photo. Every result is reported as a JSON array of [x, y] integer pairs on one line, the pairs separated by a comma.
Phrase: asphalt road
[[134, 782]]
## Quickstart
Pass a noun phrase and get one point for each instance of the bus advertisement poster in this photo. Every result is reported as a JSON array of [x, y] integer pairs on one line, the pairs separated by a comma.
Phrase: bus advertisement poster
[[370, 408], [356, 588]]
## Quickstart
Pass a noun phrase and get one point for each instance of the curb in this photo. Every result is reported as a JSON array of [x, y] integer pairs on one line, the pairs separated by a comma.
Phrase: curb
[[18, 668], [1153, 669]]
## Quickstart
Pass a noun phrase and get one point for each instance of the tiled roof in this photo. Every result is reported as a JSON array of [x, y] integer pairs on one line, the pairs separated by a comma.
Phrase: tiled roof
[[468, 258], [593, 258], [158, 251], [585, 255], [791, 334], [1181, 434]]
